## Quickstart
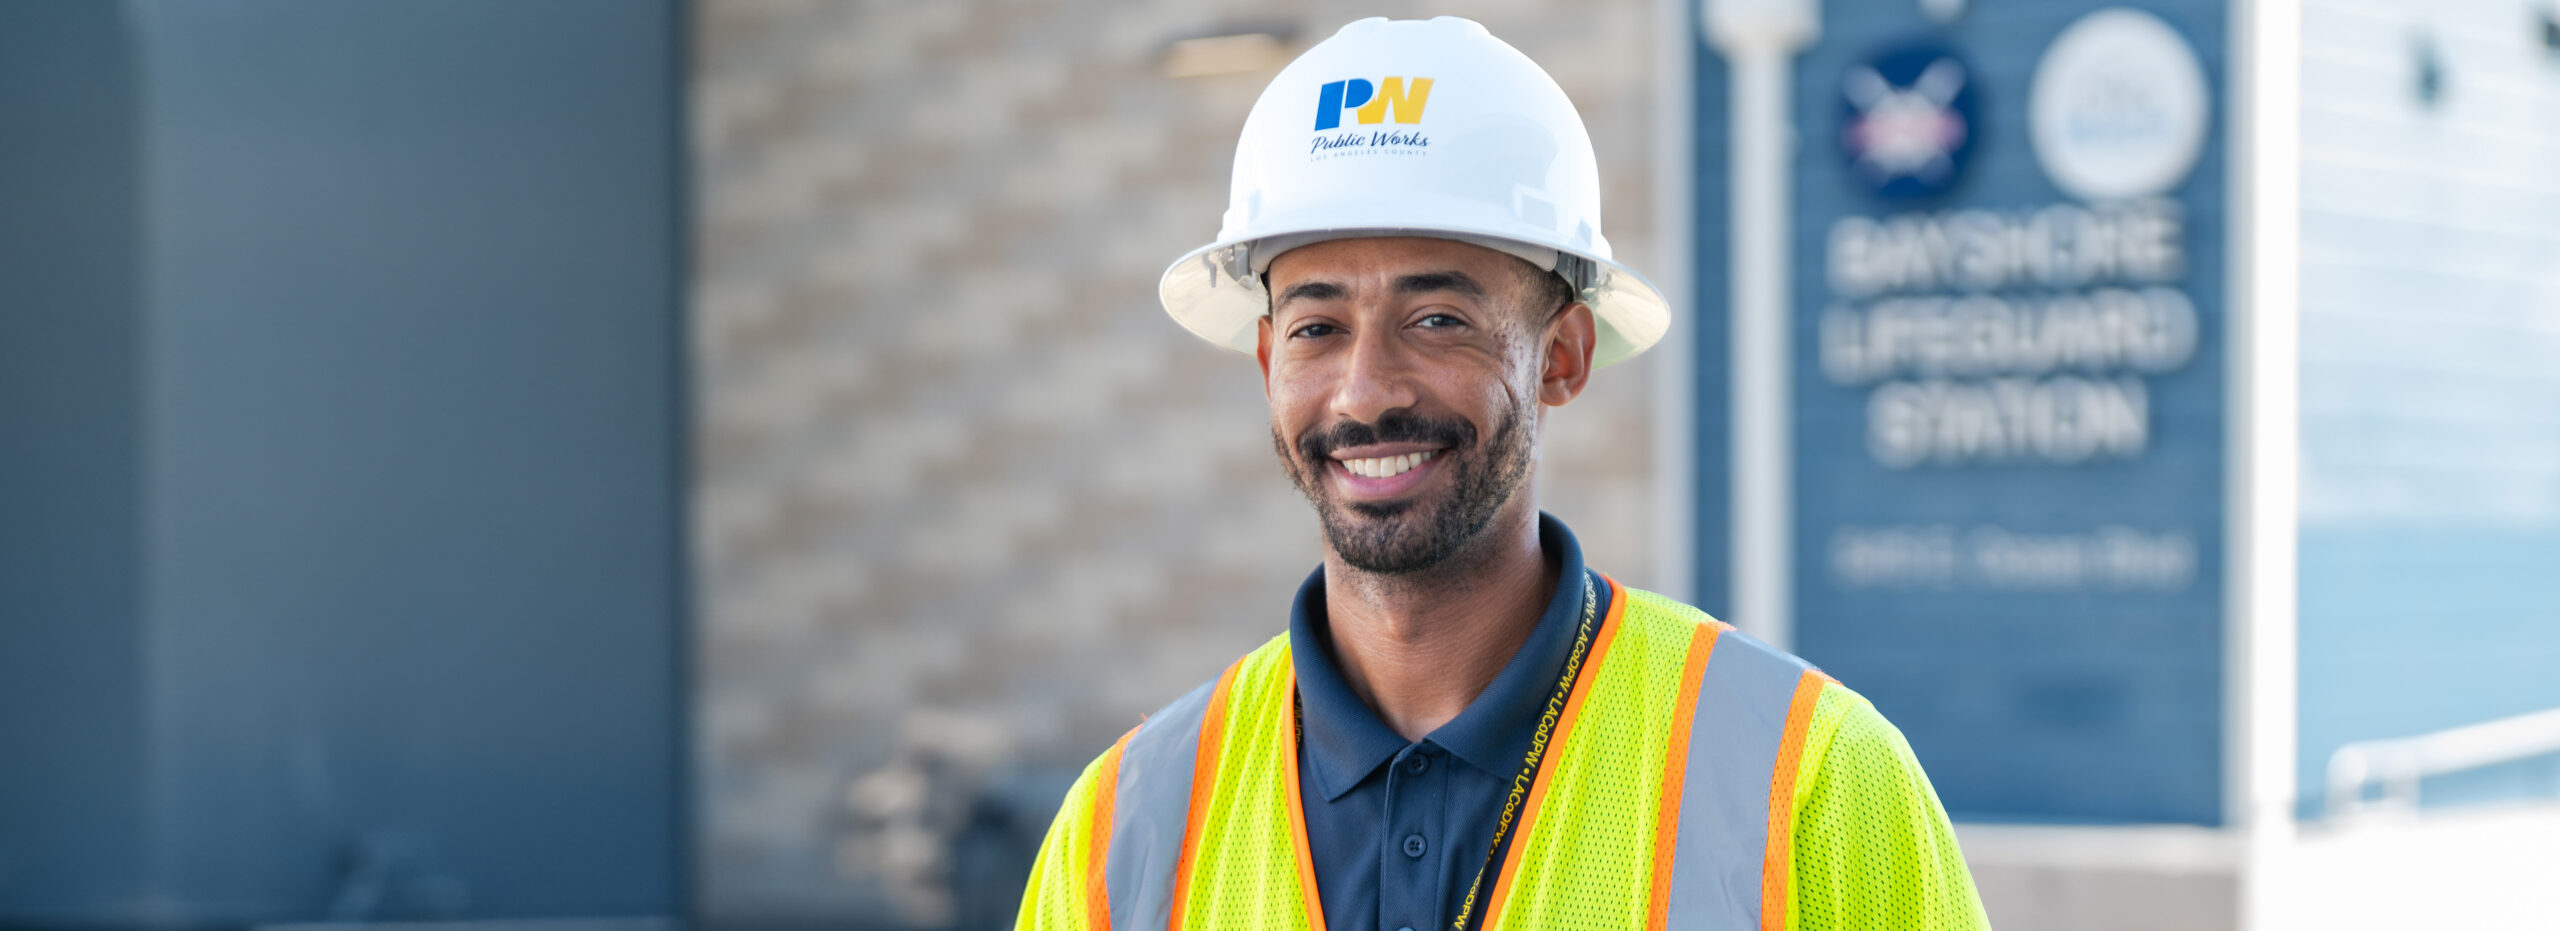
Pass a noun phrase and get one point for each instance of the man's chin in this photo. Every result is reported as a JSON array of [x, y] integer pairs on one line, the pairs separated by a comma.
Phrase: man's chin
[[1384, 538], [1401, 520]]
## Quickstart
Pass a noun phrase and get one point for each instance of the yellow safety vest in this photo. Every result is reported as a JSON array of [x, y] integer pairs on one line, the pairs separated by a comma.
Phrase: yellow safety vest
[[1671, 798]]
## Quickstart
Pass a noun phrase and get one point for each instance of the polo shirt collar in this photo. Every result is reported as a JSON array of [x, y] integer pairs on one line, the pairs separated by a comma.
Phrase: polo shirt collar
[[1345, 740]]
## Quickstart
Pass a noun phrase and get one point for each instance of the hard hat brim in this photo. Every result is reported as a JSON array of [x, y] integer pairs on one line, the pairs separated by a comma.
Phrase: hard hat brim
[[1212, 293]]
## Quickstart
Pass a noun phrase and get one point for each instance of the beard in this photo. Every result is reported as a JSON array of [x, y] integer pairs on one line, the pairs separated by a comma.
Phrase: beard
[[1417, 534]]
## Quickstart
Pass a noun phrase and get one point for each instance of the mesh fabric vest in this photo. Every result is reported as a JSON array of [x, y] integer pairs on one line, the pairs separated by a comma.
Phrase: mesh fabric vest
[[1664, 801]]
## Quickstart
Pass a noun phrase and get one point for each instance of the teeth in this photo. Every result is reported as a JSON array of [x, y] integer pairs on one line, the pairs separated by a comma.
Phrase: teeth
[[1386, 466]]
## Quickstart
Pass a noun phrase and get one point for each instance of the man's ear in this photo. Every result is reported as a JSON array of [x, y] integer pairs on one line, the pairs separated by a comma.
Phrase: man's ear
[[1571, 337], [1262, 351]]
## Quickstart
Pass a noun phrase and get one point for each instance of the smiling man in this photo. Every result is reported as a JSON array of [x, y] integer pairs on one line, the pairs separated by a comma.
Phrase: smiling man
[[1465, 726]]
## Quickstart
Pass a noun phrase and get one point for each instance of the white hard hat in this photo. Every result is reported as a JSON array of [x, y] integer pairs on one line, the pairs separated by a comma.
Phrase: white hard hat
[[1413, 128]]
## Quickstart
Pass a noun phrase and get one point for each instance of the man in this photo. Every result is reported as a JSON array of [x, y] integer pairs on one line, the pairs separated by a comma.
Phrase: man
[[1464, 727]]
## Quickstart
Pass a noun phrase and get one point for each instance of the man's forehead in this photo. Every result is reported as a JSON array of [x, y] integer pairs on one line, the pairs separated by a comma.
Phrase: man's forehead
[[1381, 258]]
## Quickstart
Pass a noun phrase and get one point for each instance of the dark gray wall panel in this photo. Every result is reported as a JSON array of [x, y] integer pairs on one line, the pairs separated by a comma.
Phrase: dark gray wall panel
[[70, 319], [400, 621]]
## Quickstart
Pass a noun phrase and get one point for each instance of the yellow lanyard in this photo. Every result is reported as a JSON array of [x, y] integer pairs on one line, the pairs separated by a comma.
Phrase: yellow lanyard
[[1537, 749]]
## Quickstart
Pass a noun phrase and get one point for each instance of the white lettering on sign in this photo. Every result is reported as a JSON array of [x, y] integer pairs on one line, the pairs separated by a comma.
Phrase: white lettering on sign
[[2018, 336], [2111, 557], [2151, 330], [1904, 556], [2065, 245], [2061, 420], [1993, 558]]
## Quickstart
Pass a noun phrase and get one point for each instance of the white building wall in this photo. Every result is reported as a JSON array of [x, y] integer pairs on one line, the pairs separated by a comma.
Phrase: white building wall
[[2430, 529]]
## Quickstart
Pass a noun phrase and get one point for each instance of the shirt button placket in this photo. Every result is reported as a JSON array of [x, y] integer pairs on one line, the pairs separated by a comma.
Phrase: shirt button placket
[[1409, 885]]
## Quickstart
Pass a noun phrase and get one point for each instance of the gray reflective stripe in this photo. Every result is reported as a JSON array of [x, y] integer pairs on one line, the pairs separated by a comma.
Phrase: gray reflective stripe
[[1724, 797], [1151, 811]]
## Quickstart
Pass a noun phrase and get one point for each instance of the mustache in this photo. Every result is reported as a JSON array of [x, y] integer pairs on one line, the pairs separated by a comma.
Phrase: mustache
[[1317, 445]]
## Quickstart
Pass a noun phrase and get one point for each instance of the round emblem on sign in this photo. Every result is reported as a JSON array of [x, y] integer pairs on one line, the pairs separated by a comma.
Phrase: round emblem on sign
[[1907, 120], [2118, 108]]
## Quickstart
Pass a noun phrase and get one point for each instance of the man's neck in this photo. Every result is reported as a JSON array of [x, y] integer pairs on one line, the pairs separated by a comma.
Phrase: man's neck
[[1418, 648]]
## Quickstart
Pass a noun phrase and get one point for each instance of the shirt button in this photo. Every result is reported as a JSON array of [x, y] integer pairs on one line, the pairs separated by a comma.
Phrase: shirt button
[[1413, 845], [1417, 764]]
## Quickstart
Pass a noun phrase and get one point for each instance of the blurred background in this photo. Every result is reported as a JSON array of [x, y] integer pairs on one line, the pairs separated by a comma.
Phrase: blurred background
[[639, 463]]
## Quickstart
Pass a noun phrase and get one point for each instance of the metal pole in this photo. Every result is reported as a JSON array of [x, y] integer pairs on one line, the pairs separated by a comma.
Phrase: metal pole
[[1759, 38], [2264, 368], [1675, 468]]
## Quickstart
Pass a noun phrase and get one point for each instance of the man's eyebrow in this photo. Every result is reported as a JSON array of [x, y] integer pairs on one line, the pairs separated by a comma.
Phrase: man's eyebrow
[[1455, 282], [1311, 290]]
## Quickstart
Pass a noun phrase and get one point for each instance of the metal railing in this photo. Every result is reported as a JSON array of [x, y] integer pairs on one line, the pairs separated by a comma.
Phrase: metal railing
[[2400, 764]]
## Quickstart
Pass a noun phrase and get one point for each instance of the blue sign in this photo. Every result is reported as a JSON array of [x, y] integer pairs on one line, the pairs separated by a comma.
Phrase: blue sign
[[2008, 396]]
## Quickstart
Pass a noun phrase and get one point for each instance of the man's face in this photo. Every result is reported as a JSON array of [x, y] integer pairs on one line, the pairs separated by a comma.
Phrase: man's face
[[1405, 376]]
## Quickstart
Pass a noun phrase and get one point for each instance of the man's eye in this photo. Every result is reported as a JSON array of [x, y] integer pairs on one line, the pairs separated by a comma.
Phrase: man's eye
[[1312, 331], [1439, 320]]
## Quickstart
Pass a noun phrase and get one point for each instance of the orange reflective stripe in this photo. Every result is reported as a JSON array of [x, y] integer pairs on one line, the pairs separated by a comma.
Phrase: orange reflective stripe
[[1204, 786], [1097, 895], [1778, 859], [1675, 769], [1298, 810], [1555, 743]]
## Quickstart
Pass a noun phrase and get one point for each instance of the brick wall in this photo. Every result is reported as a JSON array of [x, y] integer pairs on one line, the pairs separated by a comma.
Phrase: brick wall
[[966, 502]]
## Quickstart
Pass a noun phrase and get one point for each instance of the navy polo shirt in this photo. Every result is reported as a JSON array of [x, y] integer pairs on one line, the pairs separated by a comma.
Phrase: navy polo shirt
[[1399, 829]]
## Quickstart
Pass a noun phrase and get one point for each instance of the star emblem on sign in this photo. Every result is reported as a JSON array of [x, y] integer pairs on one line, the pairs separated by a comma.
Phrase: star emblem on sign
[[1907, 122]]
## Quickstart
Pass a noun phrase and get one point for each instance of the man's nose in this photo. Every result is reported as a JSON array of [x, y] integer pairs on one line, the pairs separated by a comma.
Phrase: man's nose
[[1377, 377]]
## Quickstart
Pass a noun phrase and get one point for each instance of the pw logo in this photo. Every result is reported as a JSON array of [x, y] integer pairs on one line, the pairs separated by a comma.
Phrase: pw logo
[[1371, 102]]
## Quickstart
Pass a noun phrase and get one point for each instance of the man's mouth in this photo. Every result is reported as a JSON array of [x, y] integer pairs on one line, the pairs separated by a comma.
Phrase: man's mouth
[[1386, 466], [1384, 472], [1374, 466]]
